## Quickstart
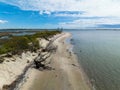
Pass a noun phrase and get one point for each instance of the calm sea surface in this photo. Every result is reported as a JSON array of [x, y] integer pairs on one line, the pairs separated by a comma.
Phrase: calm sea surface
[[99, 55]]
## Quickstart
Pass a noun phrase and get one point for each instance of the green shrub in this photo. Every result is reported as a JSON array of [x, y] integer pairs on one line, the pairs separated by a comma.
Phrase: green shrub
[[17, 44]]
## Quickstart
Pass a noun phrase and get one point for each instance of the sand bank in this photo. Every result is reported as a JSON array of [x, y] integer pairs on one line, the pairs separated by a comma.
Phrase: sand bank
[[66, 73]]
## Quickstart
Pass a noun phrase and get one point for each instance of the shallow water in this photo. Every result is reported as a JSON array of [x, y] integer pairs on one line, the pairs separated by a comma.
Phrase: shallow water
[[99, 55]]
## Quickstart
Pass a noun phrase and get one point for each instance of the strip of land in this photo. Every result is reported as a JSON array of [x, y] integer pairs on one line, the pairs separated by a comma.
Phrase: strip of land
[[65, 74]]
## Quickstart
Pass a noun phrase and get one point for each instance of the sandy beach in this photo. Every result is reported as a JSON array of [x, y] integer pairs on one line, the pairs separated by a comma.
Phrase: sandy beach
[[66, 73]]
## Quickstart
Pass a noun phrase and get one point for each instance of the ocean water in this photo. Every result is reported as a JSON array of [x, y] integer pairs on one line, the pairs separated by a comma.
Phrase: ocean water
[[99, 55]]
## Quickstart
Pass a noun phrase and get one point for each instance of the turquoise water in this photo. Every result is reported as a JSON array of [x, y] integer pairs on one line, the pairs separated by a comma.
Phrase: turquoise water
[[99, 55]]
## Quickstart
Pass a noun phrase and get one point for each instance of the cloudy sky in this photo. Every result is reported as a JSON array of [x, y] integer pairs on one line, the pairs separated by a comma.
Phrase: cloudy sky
[[60, 13]]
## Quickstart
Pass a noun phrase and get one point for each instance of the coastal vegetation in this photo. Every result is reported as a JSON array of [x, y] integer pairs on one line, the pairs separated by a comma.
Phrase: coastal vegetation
[[18, 44]]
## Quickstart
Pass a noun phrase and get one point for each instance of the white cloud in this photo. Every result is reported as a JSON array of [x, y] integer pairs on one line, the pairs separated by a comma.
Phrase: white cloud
[[68, 14], [3, 21], [87, 23], [91, 8]]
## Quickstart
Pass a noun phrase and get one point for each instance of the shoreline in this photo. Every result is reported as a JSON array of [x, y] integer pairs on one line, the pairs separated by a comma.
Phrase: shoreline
[[68, 74], [70, 47]]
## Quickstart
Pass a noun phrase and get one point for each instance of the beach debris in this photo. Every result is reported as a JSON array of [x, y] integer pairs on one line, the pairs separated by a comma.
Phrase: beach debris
[[75, 65], [5, 87], [41, 59], [8, 55], [13, 60]]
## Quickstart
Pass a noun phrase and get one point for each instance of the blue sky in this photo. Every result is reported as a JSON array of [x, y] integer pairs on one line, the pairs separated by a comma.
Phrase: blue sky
[[14, 17], [59, 13]]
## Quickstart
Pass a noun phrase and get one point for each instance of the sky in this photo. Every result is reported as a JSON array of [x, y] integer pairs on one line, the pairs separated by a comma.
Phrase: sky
[[69, 14]]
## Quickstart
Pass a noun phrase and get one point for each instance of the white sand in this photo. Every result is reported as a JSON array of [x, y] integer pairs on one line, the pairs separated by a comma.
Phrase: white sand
[[12, 67]]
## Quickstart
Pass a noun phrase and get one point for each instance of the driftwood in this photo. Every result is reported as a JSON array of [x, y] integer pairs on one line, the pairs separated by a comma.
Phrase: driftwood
[[41, 59]]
